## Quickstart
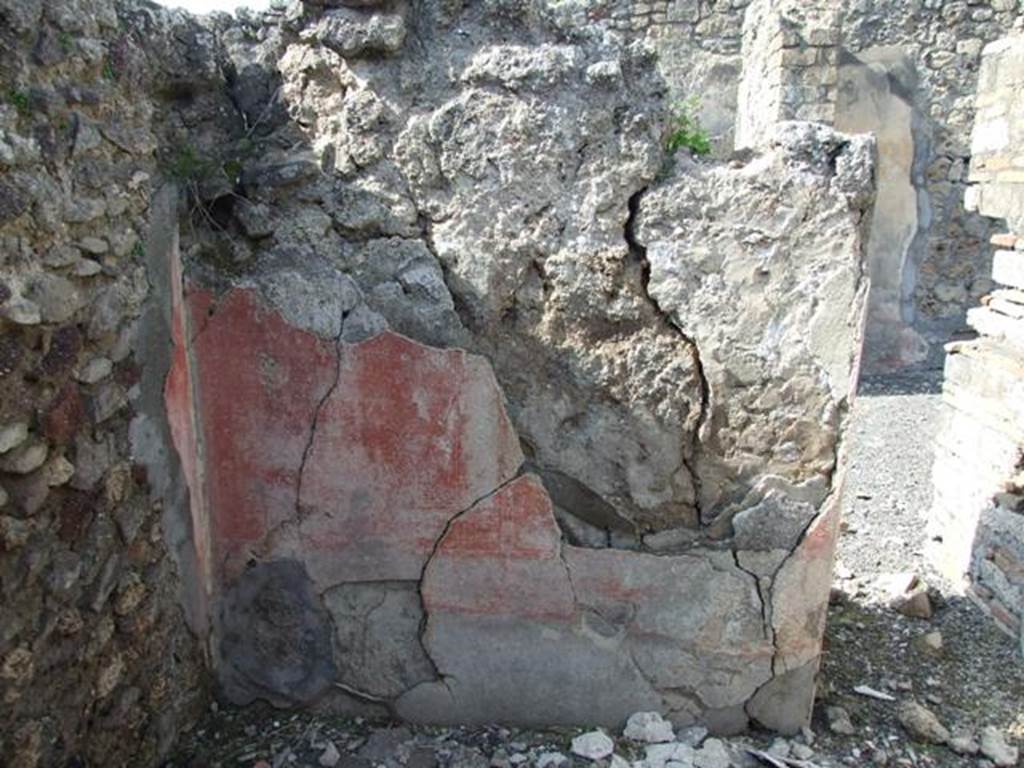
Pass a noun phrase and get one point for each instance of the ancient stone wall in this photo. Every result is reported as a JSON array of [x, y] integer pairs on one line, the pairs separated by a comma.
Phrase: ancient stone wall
[[482, 391], [929, 55], [97, 664], [929, 256], [790, 67], [384, 360], [978, 515]]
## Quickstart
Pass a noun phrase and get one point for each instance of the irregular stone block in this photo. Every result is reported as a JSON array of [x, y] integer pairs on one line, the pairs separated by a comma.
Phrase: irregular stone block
[[1008, 268], [358, 32], [765, 299]]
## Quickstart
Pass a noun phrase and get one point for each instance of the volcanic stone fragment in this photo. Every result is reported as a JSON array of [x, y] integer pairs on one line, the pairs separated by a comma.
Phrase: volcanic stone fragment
[[921, 723]]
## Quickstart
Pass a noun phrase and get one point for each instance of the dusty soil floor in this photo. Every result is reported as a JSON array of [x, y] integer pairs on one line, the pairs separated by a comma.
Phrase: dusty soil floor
[[975, 680]]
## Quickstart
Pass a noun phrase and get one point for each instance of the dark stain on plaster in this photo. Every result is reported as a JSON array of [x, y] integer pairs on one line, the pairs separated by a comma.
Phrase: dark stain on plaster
[[275, 637]]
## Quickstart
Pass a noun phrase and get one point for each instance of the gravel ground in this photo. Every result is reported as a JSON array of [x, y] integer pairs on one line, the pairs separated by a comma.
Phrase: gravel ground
[[975, 679]]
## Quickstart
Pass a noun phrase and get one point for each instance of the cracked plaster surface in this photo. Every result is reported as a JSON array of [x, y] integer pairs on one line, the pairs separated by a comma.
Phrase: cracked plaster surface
[[487, 348], [607, 606]]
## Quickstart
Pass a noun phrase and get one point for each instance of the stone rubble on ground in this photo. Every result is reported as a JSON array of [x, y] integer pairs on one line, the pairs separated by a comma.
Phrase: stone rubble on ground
[[713, 754], [929, 642], [360, 744], [551, 760], [963, 743], [994, 747], [648, 727], [330, 757], [908, 594], [921, 723], [594, 745], [839, 721]]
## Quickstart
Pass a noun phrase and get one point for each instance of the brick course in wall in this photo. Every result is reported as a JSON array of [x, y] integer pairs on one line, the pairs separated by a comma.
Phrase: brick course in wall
[[977, 521]]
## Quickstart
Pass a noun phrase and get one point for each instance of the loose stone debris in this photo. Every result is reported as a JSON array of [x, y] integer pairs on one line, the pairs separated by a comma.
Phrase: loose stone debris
[[865, 690], [995, 748], [649, 728], [921, 723], [593, 746]]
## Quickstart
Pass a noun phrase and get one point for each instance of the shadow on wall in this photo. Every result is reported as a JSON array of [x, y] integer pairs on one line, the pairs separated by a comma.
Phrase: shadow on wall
[[914, 308]]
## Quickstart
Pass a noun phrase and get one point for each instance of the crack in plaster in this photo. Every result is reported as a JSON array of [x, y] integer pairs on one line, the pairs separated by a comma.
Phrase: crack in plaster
[[422, 630], [565, 565], [823, 510], [388, 702], [580, 607], [639, 252], [764, 595], [211, 311], [355, 692], [345, 687], [316, 418]]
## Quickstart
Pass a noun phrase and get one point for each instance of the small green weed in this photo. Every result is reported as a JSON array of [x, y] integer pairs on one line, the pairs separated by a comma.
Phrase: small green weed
[[686, 131], [109, 73], [66, 42], [20, 101], [187, 166], [233, 169]]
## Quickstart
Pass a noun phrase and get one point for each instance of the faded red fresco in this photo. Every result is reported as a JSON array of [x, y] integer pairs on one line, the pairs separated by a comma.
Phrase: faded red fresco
[[258, 382], [800, 592], [503, 558], [392, 440], [181, 417], [410, 437]]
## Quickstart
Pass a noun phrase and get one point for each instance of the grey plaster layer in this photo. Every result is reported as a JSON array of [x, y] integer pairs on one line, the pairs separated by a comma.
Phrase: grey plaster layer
[[150, 433], [502, 669], [376, 635], [876, 95]]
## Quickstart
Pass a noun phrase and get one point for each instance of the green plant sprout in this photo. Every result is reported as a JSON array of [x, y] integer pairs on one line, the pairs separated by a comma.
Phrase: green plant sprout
[[685, 129], [20, 101]]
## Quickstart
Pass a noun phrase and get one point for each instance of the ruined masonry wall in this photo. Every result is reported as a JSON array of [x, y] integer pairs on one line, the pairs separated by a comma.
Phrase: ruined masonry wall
[[96, 661], [482, 394], [790, 67], [337, 347], [978, 514], [942, 266]]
